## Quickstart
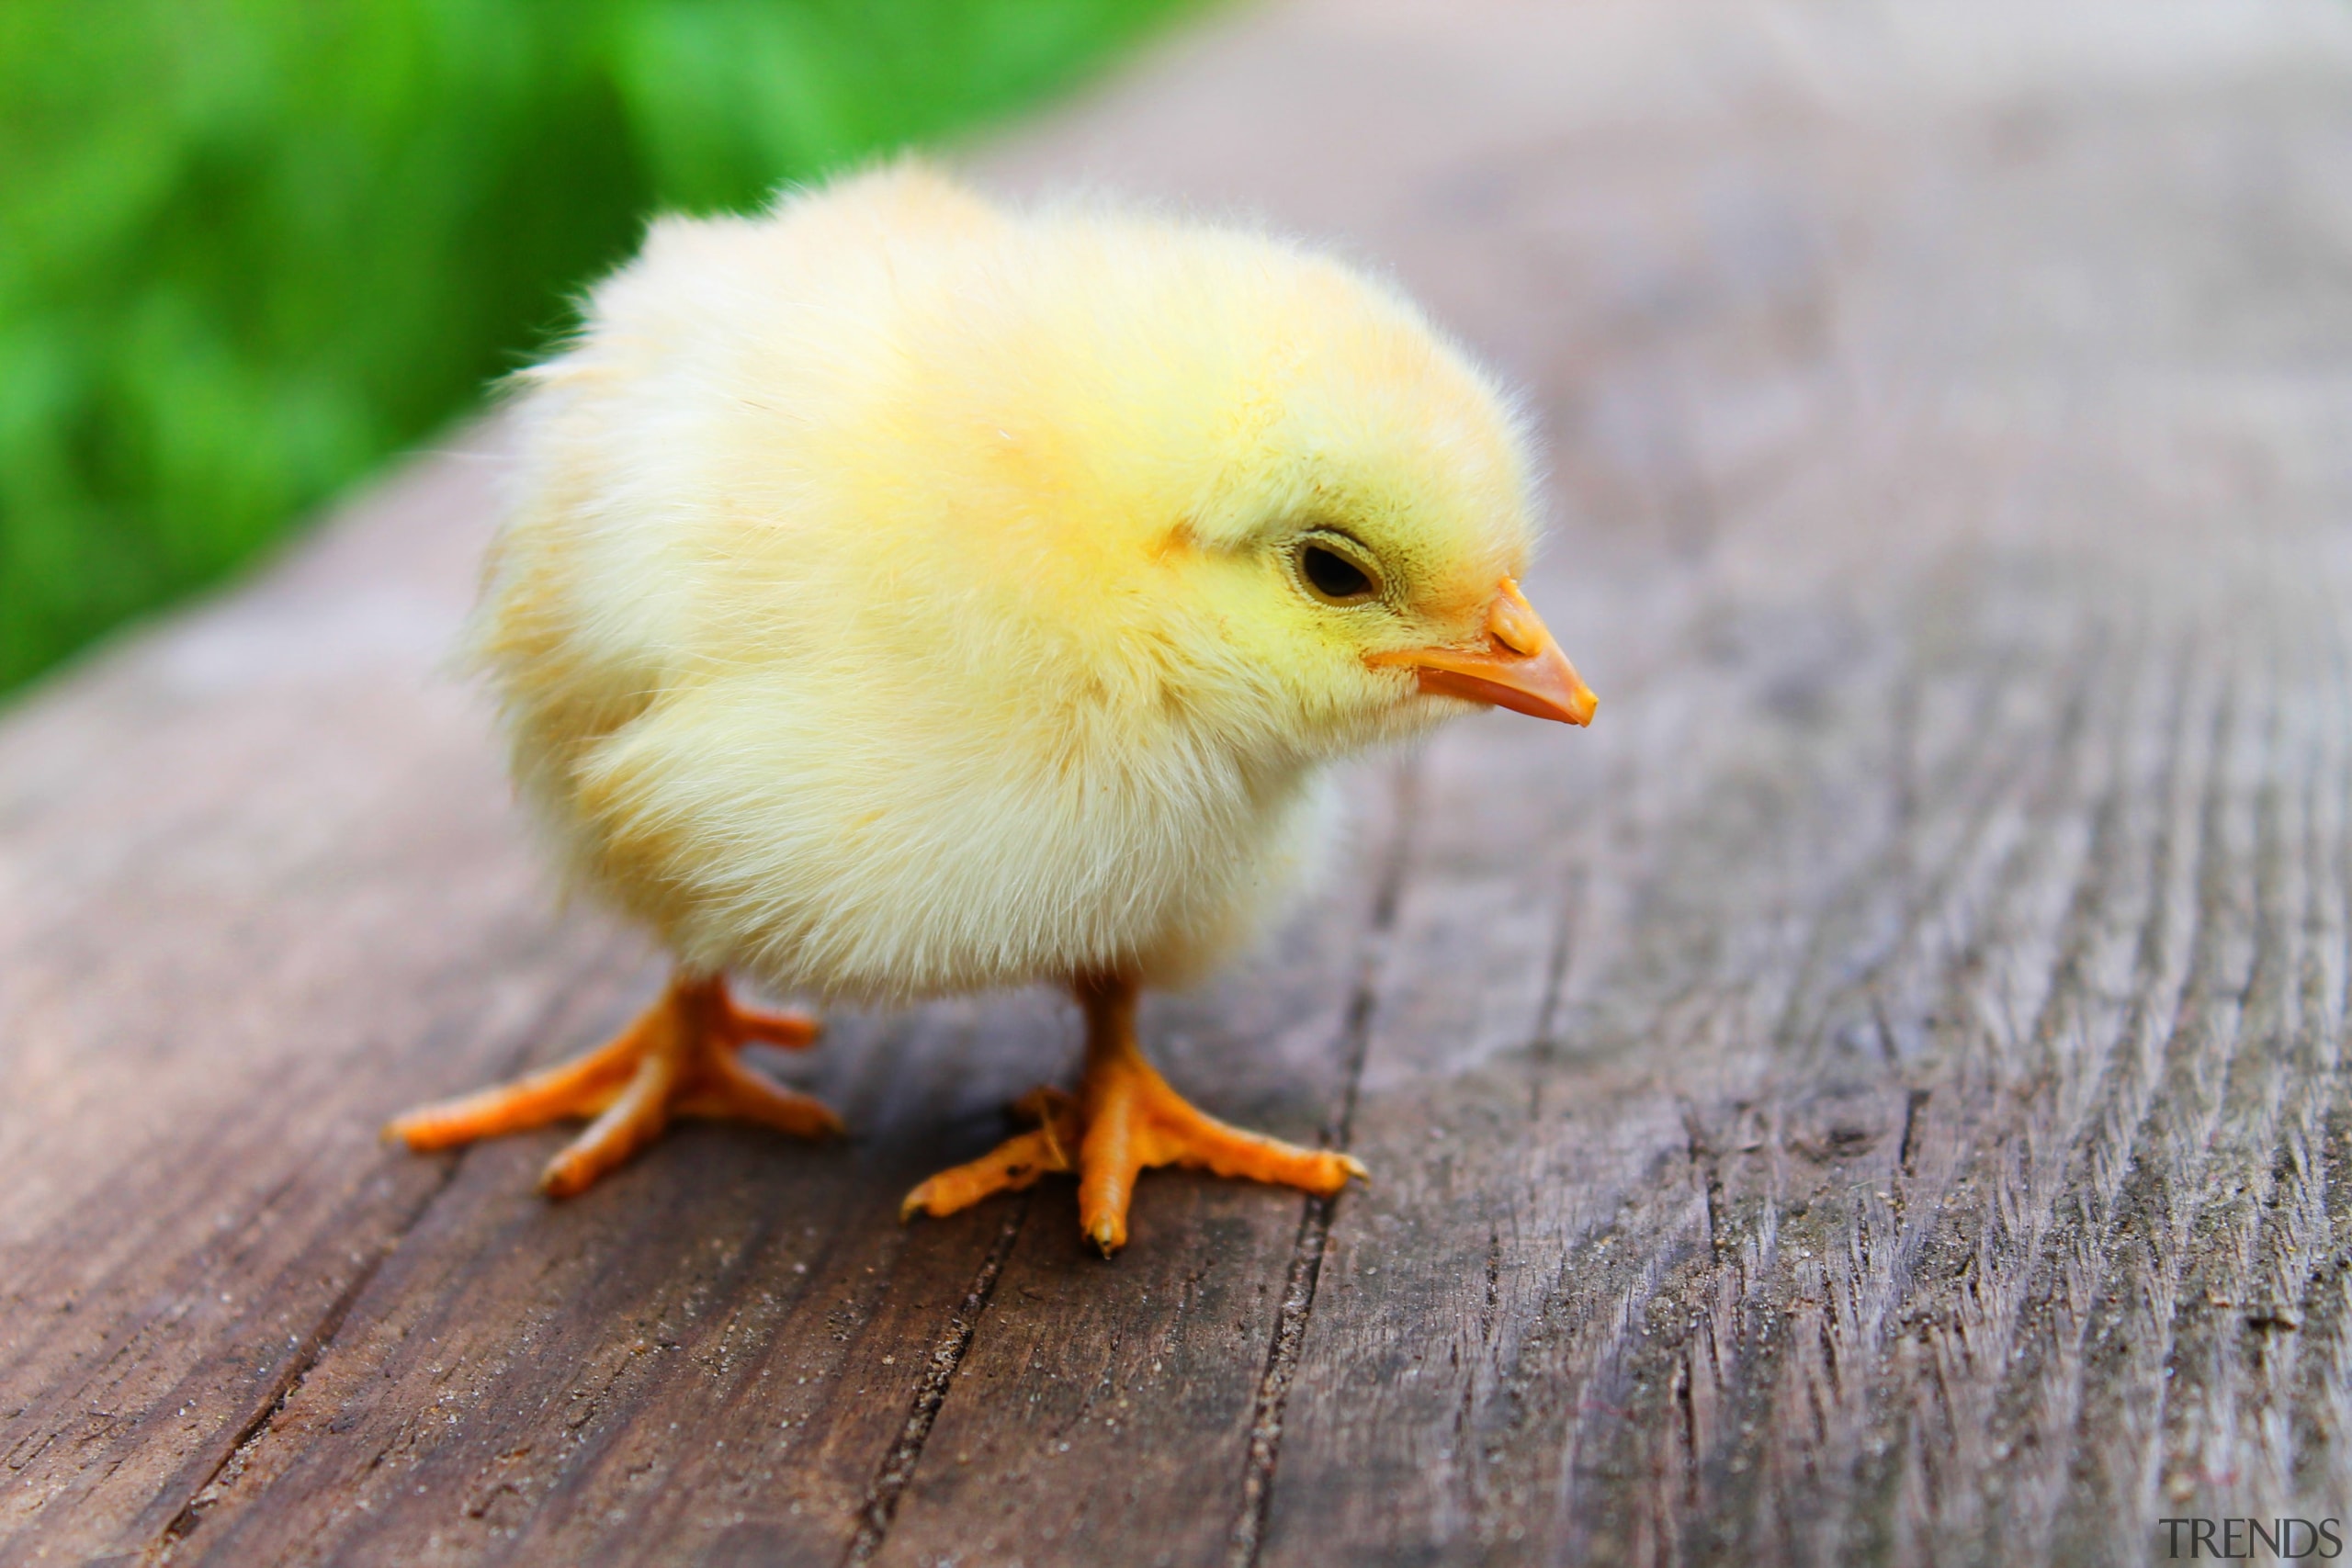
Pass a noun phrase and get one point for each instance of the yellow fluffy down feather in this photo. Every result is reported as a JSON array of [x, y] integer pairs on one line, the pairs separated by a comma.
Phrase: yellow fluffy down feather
[[899, 603], [905, 595]]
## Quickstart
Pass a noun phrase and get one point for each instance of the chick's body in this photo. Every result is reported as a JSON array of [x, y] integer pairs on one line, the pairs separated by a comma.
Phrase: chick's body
[[903, 596]]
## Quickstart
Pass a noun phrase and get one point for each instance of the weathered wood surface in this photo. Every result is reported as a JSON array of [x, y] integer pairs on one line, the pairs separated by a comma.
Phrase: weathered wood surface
[[1877, 1097]]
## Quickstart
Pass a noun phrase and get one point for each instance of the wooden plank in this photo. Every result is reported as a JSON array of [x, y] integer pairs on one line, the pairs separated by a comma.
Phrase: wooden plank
[[1877, 1097]]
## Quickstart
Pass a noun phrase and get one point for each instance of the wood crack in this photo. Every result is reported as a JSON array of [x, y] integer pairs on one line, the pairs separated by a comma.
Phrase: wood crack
[[898, 1467], [314, 1345], [1306, 1267]]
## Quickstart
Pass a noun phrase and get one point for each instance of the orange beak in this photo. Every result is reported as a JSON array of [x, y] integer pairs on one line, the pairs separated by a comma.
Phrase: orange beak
[[1521, 668]]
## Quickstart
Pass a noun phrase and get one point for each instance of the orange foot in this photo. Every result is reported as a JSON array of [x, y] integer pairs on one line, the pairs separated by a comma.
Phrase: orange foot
[[676, 1059], [1123, 1118]]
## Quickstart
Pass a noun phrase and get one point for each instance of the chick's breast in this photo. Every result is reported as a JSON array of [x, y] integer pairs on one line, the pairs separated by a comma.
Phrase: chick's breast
[[793, 627]]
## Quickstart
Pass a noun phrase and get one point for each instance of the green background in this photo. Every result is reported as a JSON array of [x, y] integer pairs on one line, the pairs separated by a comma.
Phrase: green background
[[250, 248]]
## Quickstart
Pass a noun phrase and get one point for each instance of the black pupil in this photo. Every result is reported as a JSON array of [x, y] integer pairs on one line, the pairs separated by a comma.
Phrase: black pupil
[[1333, 574]]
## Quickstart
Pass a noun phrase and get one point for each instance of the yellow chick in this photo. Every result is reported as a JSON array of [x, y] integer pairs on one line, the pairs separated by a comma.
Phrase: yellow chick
[[906, 596]]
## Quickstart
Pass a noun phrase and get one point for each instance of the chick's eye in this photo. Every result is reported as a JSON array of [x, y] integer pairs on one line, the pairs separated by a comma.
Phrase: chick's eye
[[1334, 578]]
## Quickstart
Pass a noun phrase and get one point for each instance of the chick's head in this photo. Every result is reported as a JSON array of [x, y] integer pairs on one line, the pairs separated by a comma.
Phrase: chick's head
[[1369, 514], [1251, 489]]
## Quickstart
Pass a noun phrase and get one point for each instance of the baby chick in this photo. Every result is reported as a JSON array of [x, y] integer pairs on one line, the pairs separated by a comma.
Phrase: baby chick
[[907, 596]]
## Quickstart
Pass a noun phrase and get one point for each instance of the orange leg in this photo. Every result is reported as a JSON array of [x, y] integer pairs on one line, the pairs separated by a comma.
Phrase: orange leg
[[1123, 1120], [676, 1059]]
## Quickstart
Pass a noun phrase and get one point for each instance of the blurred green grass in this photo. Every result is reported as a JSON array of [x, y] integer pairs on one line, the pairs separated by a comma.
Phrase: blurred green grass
[[250, 248]]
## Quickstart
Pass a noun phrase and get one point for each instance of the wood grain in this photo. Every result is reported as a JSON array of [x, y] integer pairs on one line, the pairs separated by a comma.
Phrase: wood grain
[[1879, 1097]]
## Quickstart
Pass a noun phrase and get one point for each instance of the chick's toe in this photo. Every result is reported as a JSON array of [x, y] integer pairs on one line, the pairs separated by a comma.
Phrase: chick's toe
[[1012, 1165]]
